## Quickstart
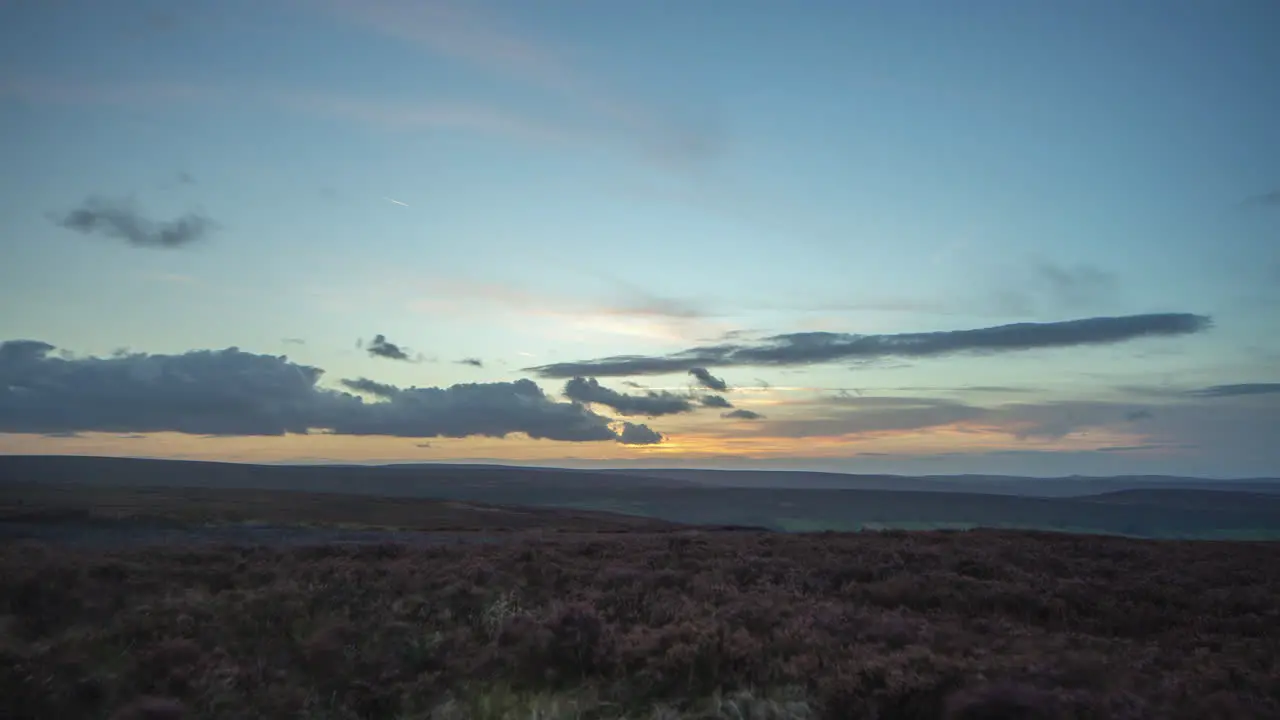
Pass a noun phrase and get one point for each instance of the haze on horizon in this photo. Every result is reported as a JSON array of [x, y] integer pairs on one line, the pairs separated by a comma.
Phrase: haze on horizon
[[919, 237]]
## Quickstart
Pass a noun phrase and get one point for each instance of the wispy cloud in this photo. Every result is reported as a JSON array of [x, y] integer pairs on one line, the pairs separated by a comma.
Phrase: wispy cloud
[[427, 114], [120, 219], [813, 348], [473, 362], [64, 92], [466, 33], [1238, 389], [1049, 287], [1264, 200]]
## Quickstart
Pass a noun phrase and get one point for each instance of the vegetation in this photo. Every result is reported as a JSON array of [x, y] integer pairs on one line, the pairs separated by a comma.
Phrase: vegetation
[[689, 624], [169, 506], [598, 500]]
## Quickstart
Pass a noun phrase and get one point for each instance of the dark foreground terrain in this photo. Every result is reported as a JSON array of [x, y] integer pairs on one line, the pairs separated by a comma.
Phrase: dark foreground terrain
[[684, 624]]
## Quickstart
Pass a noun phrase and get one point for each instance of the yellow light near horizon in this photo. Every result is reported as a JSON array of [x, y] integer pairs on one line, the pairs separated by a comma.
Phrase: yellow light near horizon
[[689, 444]]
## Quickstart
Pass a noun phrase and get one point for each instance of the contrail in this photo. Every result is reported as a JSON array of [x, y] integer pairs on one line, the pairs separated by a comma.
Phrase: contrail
[[384, 197]]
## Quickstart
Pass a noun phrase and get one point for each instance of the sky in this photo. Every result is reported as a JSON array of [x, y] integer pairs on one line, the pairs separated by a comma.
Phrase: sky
[[910, 237]]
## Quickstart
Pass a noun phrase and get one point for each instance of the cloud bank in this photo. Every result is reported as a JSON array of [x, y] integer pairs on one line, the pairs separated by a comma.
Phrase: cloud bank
[[231, 392], [811, 348], [119, 219]]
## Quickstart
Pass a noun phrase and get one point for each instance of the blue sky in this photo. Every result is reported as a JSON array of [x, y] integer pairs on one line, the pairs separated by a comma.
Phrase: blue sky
[[555, 182]]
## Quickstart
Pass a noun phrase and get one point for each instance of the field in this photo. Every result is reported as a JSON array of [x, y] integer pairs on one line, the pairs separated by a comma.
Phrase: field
[[687, 624]]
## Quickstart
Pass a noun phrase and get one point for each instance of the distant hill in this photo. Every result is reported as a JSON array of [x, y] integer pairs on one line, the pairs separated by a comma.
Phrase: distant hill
[[393, 481], [1074, 486], [1145, 507]]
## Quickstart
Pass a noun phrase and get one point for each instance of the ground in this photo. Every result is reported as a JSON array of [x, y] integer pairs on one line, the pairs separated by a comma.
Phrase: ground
[[674, 624]]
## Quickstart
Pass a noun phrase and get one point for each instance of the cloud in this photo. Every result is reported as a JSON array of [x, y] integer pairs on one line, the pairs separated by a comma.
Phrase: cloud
[[1082, 285], [371, 387], [813, 348], [714, 401], [1267, 199], [741, 414], [707, 380], [293, 341], [1229, 432], [851, 415], [652, 403], [119, 219], [381, 347], [1144, 448], [1237, 390], [234, 393], [633, 434], [473, 362], [463, 32], [426, 115]]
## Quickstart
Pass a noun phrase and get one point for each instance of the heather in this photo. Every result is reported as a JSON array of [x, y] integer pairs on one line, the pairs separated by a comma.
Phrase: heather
[[691, 624]]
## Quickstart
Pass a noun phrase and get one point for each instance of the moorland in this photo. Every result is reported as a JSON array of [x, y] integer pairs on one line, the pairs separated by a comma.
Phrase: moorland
[[561, 609]]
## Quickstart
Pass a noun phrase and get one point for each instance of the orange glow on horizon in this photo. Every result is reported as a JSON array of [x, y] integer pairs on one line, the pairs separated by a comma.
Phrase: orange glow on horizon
[[689, 445]]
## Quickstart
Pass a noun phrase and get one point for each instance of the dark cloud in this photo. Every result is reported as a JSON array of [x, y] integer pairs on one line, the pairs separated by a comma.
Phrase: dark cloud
[[714, 401], [380, 346], [19, 353], [121, 220], [707, 380], [473, 362], [1269, 199], [633, 434], [652, 403], [371, 387], [811, 348], [231, 392], [1136, 415], [741, 414], [1237, 390]]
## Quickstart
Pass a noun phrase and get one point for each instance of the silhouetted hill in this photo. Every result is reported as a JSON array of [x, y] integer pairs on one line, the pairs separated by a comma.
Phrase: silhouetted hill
[[1073, 486], [1147, 511]]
